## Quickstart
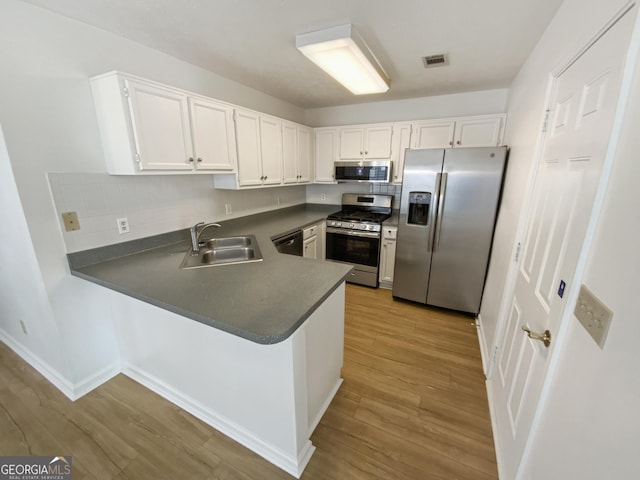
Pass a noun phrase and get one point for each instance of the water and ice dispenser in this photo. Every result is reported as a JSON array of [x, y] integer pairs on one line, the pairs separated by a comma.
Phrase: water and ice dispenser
[[419, 203]]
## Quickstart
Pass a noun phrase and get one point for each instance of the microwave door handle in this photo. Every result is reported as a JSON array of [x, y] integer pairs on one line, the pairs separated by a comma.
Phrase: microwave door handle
[[433, 213], [441, 198]]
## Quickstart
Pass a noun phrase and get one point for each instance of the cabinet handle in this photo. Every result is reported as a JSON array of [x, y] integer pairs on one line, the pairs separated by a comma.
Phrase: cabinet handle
[[458, 142], [366, 152], [451, 143], [190, 159], [199, 160]]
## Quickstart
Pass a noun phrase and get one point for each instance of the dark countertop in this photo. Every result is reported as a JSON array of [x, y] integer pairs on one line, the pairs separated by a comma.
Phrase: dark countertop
[[264, 302]]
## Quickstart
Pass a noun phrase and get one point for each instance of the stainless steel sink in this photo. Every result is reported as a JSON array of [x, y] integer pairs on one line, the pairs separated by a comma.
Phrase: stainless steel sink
[[224, 251], [230, 242]]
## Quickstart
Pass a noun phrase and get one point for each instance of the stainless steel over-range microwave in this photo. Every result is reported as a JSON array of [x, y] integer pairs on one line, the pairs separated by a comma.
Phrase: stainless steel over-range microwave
[[363, 171]]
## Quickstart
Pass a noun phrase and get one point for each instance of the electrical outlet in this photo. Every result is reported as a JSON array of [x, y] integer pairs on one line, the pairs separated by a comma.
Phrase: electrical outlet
[[24, 327], [594, 315], [123, 225], [323, 197], [227, 208]]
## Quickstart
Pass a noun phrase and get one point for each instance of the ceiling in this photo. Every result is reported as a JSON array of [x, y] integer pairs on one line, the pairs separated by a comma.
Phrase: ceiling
[[253, 41]]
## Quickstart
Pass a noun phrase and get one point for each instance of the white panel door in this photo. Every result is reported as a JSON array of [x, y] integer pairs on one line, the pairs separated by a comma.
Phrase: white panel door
[[582, 111], [212, 128], [160, 120]]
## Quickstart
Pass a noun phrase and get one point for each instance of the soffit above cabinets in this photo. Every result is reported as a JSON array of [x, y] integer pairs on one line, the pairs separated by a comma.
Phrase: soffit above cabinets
[[253, 42]]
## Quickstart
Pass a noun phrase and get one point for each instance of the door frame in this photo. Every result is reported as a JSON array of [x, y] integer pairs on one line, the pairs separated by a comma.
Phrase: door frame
[[633, 51]]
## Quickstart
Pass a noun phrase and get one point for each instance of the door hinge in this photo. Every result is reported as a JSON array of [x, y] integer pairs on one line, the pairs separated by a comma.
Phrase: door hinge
[[125, 90], [138, 157], [517, 255], [495, 353], [546, 120]]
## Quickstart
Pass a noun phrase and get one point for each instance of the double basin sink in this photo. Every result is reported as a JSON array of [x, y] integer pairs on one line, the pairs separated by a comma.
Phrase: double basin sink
[[224, 251]]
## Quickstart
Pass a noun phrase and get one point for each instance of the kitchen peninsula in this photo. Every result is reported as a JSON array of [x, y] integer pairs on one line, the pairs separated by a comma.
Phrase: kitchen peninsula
[[253, 349]]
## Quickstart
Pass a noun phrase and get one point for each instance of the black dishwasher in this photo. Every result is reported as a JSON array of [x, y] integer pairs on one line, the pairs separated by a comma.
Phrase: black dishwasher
[[291, 243]]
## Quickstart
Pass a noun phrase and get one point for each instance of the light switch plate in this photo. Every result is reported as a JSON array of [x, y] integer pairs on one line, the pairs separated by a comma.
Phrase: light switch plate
[[594, 315], [70, 220]]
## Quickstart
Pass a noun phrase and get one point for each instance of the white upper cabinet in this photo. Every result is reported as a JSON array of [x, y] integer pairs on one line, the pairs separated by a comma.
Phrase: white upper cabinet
[[149, 128], [213, 134], [436, 134], [271, 150], [297, 153], [326, 153], [248, 147], [479, 131], [366, 142], [259, 143], [401, 141]]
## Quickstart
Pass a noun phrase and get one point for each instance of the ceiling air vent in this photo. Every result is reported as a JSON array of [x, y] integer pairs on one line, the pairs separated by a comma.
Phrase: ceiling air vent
[[431, 61]]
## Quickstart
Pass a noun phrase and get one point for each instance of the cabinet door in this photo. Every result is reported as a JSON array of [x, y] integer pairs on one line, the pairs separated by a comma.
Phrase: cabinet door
[[326, 146], [289, 153], [351, 143], [377, 142], [310, 248], [305, 155], [248, 145], [478, 132], [160, 120], [271, 149], [212, 129], [433, 134], [387, 260], [401, 141]]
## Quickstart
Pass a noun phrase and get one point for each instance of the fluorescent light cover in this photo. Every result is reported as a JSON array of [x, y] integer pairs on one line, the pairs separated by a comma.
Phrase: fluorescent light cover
[[341, 52]]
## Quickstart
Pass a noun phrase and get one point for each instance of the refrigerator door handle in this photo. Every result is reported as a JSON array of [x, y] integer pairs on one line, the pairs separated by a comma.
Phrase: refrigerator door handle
[[441, 194], [434, 212]]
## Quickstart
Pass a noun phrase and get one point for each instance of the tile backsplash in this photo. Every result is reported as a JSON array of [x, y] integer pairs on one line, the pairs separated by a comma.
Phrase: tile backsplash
[[152, 204]]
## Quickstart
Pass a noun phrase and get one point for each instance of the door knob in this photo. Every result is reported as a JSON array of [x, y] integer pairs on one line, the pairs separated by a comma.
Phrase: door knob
[[543, 337]]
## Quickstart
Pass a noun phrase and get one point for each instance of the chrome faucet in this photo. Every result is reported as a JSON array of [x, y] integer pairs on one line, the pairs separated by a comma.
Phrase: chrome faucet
[[195, 235]]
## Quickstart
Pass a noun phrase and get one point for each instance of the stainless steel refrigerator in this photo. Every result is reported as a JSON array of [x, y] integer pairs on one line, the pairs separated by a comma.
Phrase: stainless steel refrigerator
[[448, 211]]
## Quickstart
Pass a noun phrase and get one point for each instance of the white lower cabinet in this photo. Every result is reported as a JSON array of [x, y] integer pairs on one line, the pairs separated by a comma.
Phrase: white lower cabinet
[[313, 242], [387, 256]]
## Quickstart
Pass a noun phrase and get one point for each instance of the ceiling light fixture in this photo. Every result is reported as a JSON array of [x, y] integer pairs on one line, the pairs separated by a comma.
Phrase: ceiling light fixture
[[343, 54]]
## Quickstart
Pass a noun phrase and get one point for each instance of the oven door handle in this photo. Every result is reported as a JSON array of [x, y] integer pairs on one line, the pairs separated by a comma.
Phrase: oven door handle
[[353, 233]]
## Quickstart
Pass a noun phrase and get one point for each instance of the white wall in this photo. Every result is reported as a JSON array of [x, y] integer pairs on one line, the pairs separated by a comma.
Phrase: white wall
[[590, 427], [50, 126], [455, 105]]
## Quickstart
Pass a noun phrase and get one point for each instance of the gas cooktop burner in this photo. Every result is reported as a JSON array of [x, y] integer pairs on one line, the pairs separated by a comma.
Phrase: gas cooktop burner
[[361, 212]]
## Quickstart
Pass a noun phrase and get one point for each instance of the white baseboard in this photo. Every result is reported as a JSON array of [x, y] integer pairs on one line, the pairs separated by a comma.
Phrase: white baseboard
[[494, 428], [51, 374], [288, 463], [484, 349], [71, 390]]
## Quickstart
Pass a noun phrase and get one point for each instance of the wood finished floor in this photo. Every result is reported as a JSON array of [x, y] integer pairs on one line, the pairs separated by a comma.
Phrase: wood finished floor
[[412, 406]]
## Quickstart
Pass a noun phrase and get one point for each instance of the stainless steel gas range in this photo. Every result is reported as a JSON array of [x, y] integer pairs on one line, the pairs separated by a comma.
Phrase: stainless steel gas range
[[354, 234]]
